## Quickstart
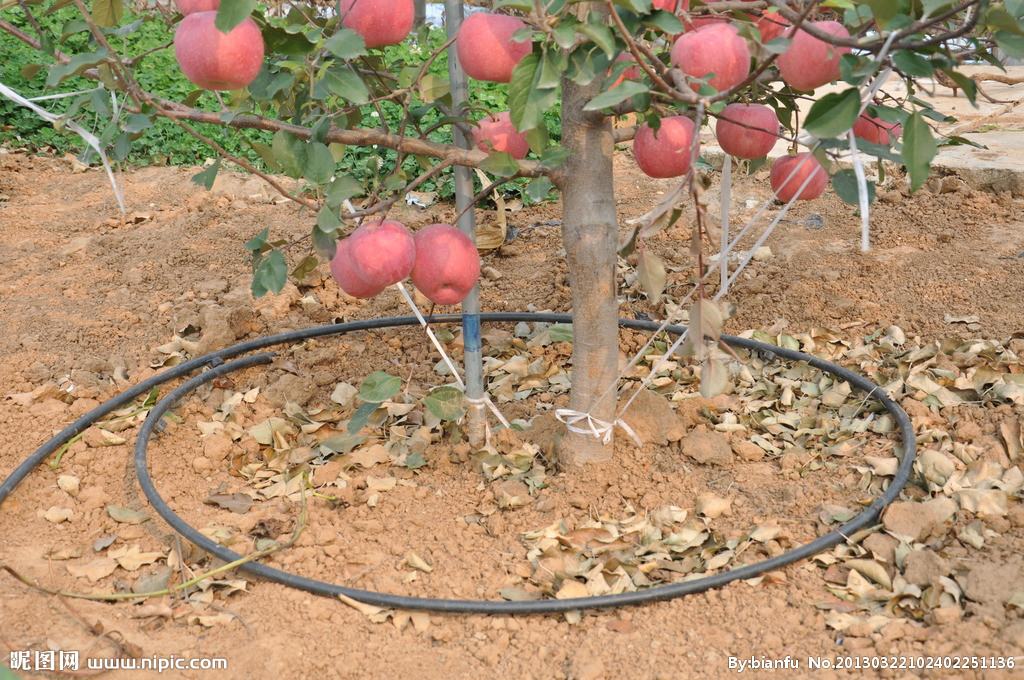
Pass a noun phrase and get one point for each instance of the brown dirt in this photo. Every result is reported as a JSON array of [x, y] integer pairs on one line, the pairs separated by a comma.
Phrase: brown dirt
[[87, 297]]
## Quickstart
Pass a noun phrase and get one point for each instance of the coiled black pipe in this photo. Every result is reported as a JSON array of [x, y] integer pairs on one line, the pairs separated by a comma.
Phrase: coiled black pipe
[[866, 518]]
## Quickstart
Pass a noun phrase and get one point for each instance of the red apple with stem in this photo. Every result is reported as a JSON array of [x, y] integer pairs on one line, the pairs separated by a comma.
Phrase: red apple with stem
[[747, 130], [717, 49], [213, 60], [381, 252], [497, 133], [346, 278], [486, 49], [380, 22], [447, 264], [809, 62], [789, 173], [667, 152], [193, 6], [875, 130]]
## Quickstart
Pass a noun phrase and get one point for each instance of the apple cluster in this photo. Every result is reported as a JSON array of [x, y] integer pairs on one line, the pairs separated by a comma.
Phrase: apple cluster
[[441, 260], [712, 52]]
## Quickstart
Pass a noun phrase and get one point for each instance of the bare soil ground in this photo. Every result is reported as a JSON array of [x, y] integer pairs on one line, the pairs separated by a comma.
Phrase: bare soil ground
[[92, 303]]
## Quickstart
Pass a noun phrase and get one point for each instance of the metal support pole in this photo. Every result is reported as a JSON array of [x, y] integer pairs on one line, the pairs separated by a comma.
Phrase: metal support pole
[[476, 420]]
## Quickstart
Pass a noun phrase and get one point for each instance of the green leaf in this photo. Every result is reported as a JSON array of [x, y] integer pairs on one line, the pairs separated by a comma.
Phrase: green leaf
[[379, 387], [271, 274], [626, 90], [884, 11], [137, 122], [342, 188], [345, 83], [1014, 7], [913, 64], [651, 273], [107, 13], [527, 102], [833, 114], [346, 44], [77, 64], [324, 242], [666, 22], [361, 416], [524, 5], [328, 221], [232, 13], [554, 157], [538, 189], [500, 164], [256, 243], [206, 178], [447, 402], [844, 183], [603, 36], [1012, 44], [433, 87], [560, 332], [319, 163], [290, 153], [919, 148], [6, 673]]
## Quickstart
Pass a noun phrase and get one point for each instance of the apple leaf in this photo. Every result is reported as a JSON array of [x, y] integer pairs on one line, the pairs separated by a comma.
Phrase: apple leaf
[[345, 83], [1012, 44], [206, 178], [526, 99], [913, 64], [560, 332], [844, 183], [884, 11], [319, 163], [833, 114], [379, 387], [524, 5], [447, 402], [346, 44], [538, 189], [651, 273], [919, 148], [601, 35], [666, 22], [290, 152], [107, 13], [1014, 7], [230, 14], [342, 188], [78, 63], [616, 95], [271, 274], [361, 416], [500, 164]]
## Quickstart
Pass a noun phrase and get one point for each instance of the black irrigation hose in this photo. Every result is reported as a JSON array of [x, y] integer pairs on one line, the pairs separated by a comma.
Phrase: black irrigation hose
[[866, 518]]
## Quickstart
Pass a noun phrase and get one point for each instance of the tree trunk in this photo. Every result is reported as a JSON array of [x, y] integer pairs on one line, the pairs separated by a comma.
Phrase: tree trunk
[[590, 236]]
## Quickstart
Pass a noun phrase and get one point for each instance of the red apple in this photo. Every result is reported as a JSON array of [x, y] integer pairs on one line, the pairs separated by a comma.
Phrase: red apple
[[771, 25], [496, 133], [380, 22], [671, 5], [786, 178], [213, 60], [193, 6], [747, 130], [808, 62], [875, 130], [665, 153], [717, 49], [631, 73], [447, 264], [485, 47], [347, 279], [381, 252]]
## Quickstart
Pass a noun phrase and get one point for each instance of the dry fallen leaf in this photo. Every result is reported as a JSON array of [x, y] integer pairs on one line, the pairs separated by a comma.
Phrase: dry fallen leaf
[[95, 570]]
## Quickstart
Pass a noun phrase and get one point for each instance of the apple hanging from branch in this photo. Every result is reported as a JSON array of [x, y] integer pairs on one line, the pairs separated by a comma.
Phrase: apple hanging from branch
[[217, 61]]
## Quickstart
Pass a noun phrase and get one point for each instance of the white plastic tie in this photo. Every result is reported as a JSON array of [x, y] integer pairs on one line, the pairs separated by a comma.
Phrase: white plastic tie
[[598, 428]]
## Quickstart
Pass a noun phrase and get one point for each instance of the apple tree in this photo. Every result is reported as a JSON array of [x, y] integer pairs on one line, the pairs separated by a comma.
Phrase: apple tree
[[304, 83]]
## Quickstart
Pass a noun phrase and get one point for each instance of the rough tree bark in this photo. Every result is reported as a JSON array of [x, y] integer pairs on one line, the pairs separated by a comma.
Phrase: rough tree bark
[[590, 236]]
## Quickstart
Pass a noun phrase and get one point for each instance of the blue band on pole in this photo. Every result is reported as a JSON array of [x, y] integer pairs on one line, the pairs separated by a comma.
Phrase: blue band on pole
[[471, 332]]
